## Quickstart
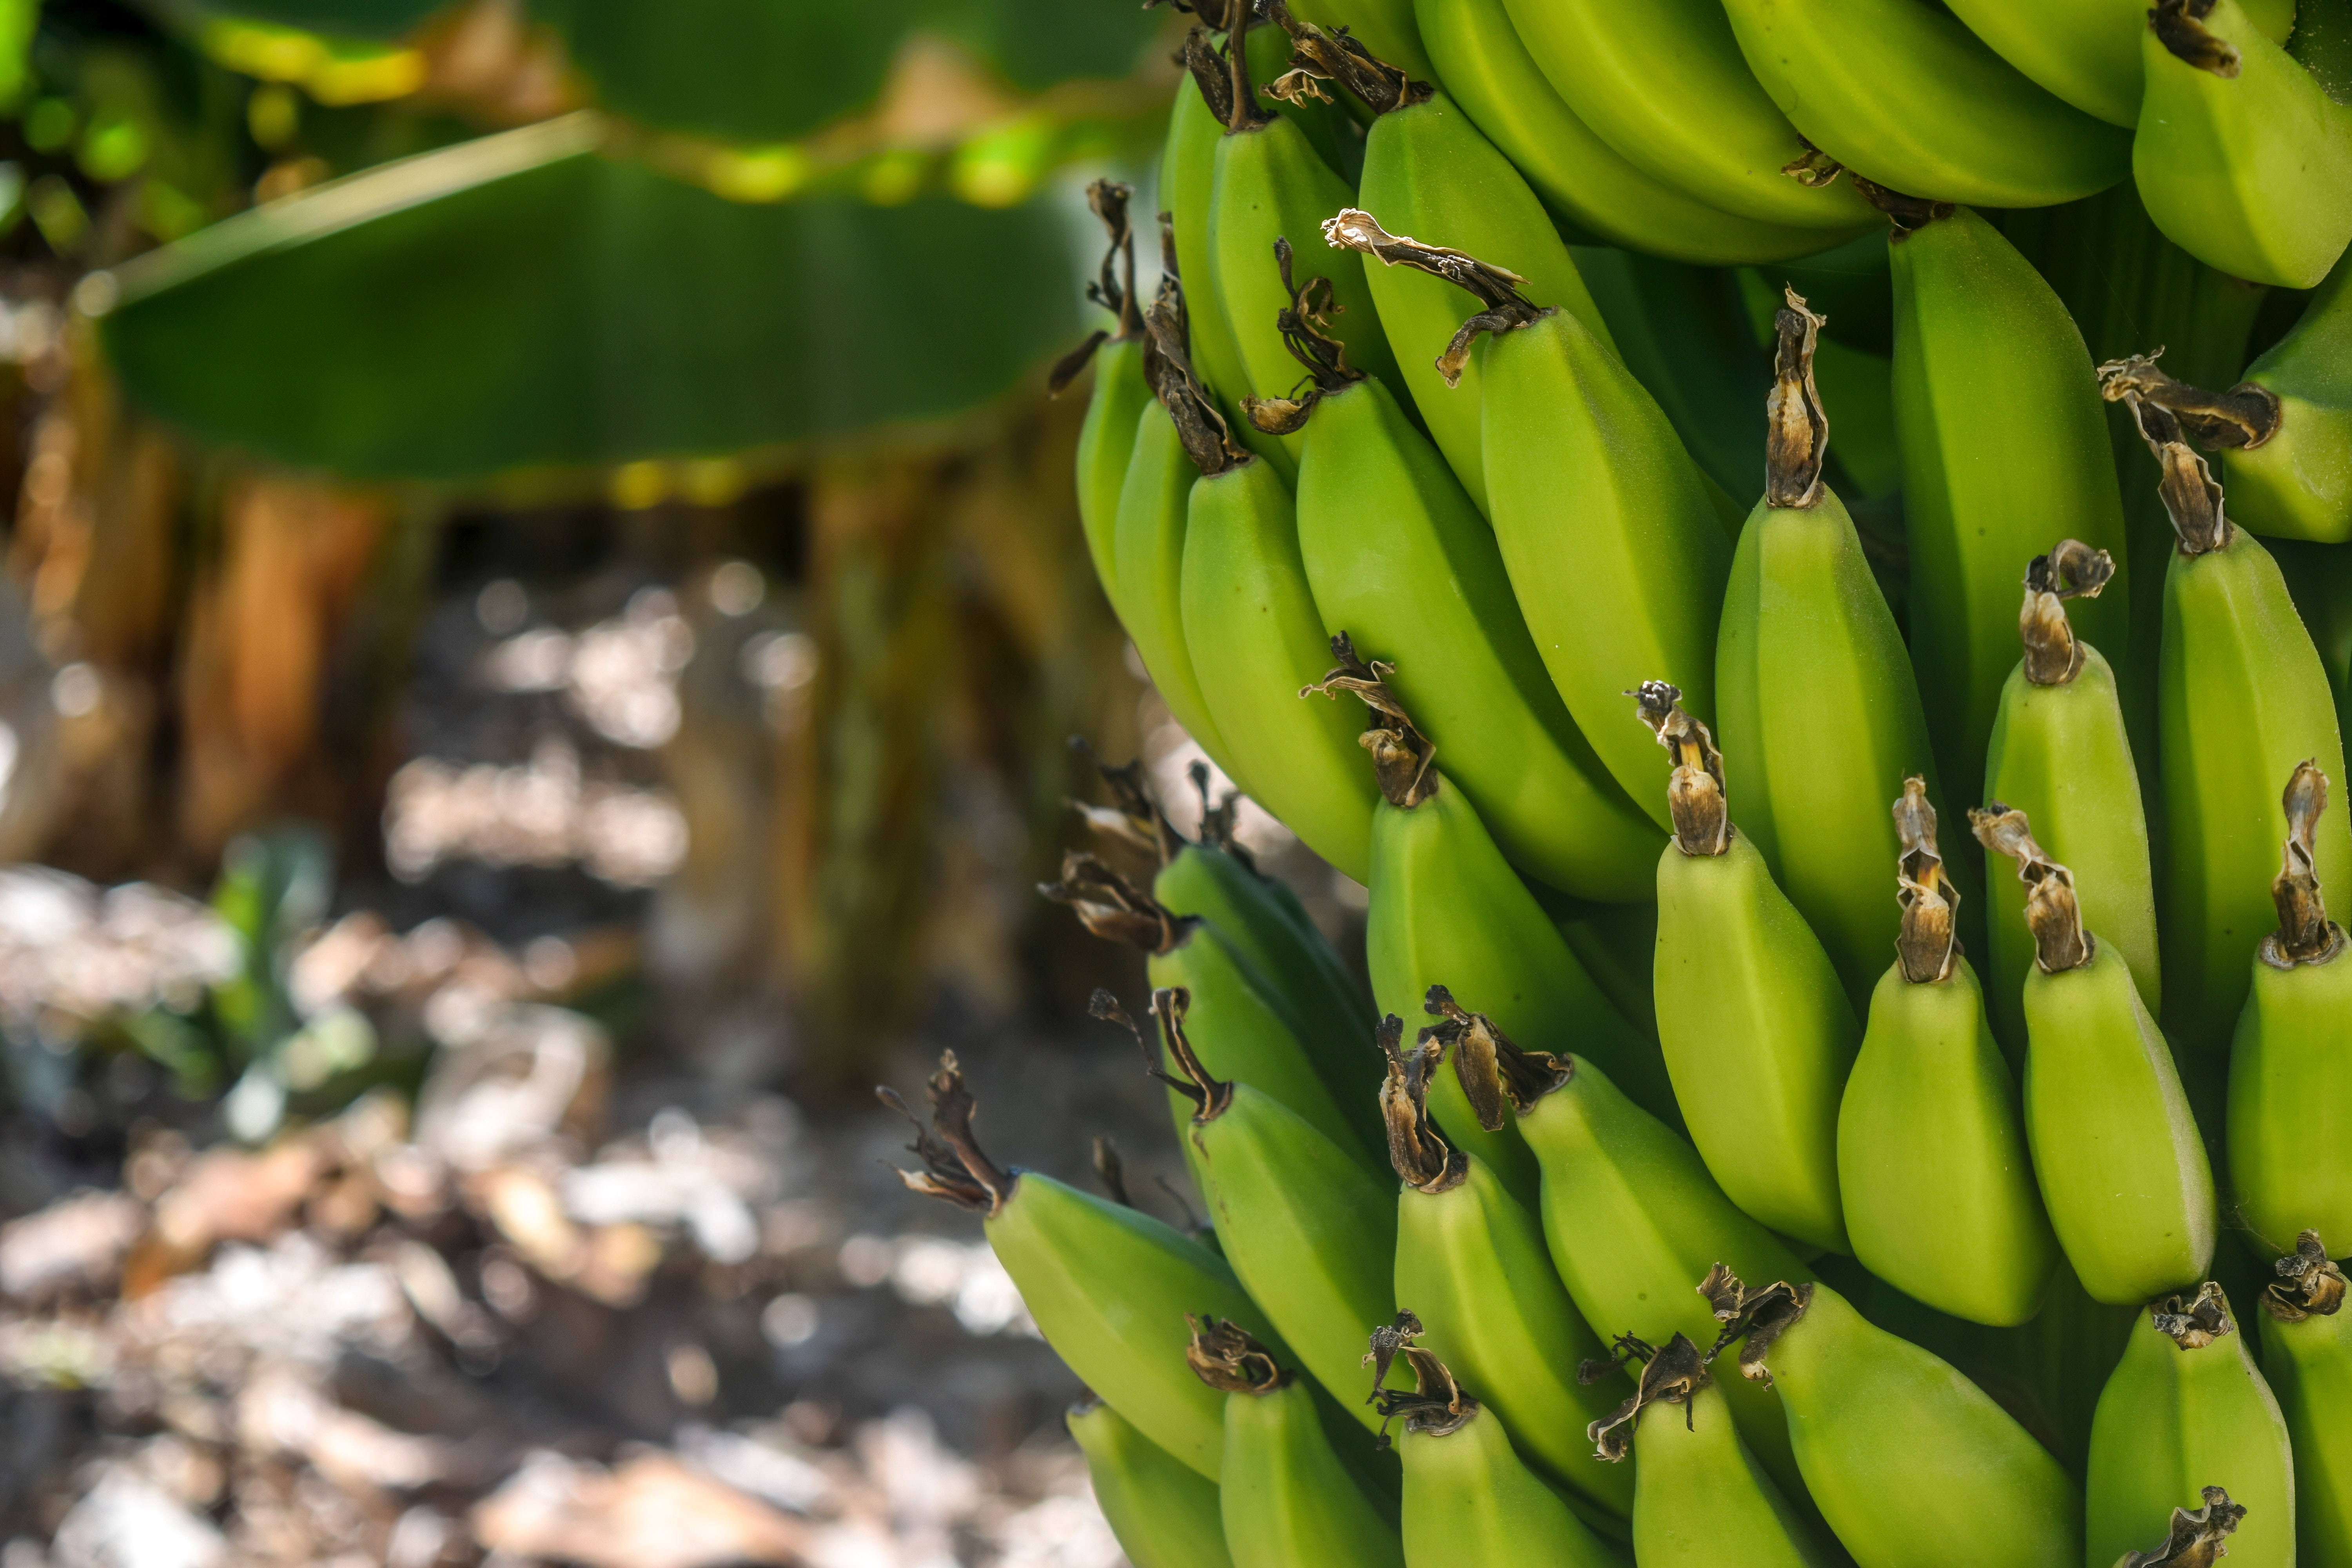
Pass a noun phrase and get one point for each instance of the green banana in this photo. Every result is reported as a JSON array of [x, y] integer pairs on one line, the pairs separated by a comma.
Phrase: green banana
[[2242, 697], [2087, 51], [1115, 407], [1754, 1025], [1251, 628], [1309, 1232], [1449, 914], [1271, 184], [1164, 1514], [1931, 1155], [1468, 1497], [2123, 1172], [1663, 84], [1814, 689], [1904, 94], [1398, 558], [2291, 1061], [1632, 583], [1488, 71], [1632, 1216], [1428, 169], [2186, 1407], [2240, 157], [1188, 176], [1108, 1285], [2307, 1356], [2059, 753], [1249, 1033], [1912, 1465], [2001, 427], [1286, 1497], [1471, 1262], [1700, 1497]]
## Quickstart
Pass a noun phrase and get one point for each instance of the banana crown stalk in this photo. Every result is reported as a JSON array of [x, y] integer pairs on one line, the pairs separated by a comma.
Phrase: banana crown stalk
[[1496, 288], [1225, 1356], [1796, 426], [1112, 288], [1436, 1406], [2308, 1285], [2305, 934], [2191, 496], [2195, 1536], [1694, 794], [1927, 951], [1424, 1161], [1672, 1373], [1496, 1076], [1305, 325], [2052, 913], [1107, 438], [1317, 56], [1401, 755], [2054, 655]]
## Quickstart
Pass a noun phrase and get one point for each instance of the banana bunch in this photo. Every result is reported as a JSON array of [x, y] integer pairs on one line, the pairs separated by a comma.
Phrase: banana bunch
[[1772, 1172]]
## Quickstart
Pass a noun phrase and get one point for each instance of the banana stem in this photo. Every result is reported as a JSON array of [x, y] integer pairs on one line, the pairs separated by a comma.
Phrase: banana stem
[[1671, 1374], [1402, 754], [1761, 1316], [1494, 1071], [2305, 934], [1224, 1355], [1115, 909], [1436, 1406], [1797, 428], [2053, 655], [1211, 1097], [1241, 113], [2052, 912], [954, 1167], [2195, 1322], [2191, 496], [1423, 1160], [1695, 796], [1928, 945], [1168, 371], [1305, 328], [1199, 57], [1113, 287], [2196, 1535], [2242, 418], [1497, 287], [1133, 818], [1318, 57], [2309, 1285]]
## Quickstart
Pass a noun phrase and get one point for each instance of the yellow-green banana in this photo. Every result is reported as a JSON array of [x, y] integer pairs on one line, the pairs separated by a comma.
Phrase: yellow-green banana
[[1756, 1028], [2308, 1357], [1904, 94], [2087, 51], [2123, 1171], [1931, 1153], [2186, 1409], [1309, 1232], [1108, 1285], [1468, 1497], [1449, 916], [2000, 429], [2241, 158], [1106, 437], [1814, 689], [2059, 753], [2291, 1061], [1253, 636], [1488, 71], [1663, 84], [1428, 171], [1471, 1263], [1163, 1512], [1286, 1496], [1613, 546], [1399, 560], [1912, 1465], [2242, 697], [1700, 1497]]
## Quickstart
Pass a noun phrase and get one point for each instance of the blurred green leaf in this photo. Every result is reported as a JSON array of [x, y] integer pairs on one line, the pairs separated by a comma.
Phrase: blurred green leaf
[[522, 300], [379, 20]]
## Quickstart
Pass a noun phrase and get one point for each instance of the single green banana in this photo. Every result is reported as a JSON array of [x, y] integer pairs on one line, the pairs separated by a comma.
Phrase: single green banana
[[1188, 177], [1471, 1263], [1814, 689], [1632, 1216], [1271, 184], [1286, 1496], [2242, 697], [1246, 1028], [1663, 84], [1253, 636], [2087, 51], [1430, 171], [2185, 1408], [1400, 559], [1116, 404], [1931, 1153], [1162, 1511], [1904, 94], [1581, 178], [2000, 428], [1757, 1032], [1448, 914], [2291, 1061], [2124, 1174], [1912, 1465], [2060, 754], [1108, 1285], [1309, 1232], [2308, 1357], [1632, 580], [1700, 1497], [2240, 157], [1469, 1499]]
